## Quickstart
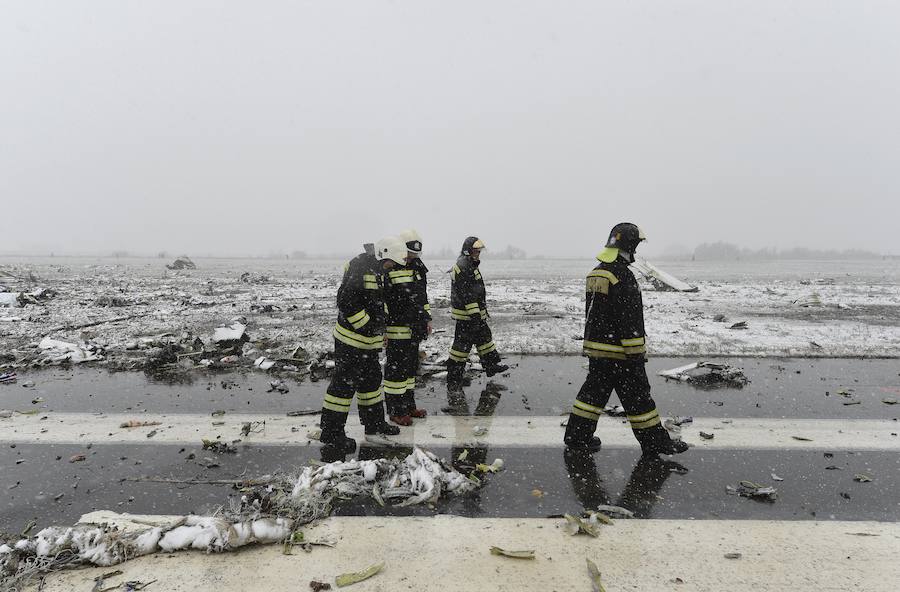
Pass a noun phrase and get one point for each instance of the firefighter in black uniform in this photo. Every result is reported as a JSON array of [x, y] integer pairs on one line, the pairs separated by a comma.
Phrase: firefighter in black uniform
[[409, 322], [358, 337], [614, 342], [468, 307]]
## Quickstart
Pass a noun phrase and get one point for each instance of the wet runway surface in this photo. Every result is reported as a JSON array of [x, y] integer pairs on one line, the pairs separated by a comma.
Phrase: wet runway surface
[[39, 483], [537, 385]]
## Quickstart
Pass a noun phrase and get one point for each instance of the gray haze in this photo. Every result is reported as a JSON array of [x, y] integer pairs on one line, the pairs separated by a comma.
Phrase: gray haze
[[254, 127]]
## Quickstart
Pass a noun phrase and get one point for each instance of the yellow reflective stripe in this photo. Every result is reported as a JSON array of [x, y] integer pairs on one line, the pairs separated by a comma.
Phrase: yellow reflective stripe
[[644, 416], [370, 286], [587, 407], [646, 424], [395, 390], [360, 323], [400, 272], [487, 347], [398, 333], [595, 284], [355, 317], [369, 277], [357, 340], [585, 414], [333, 407], [343, 402], [411, 382], [402, 280], [427, 307], [602, 273], [603, 346], [370, 398], [456, 269], [592, 353], [635, 350], [458, 355], [633, 341], [472, 306]]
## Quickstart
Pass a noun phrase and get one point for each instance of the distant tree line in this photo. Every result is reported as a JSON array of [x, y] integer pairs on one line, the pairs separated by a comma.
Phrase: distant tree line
[[730, 252]]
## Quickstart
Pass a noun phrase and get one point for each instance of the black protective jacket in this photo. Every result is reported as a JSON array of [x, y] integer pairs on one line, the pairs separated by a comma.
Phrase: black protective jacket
[[406, 301], [360, 303], [468, 299], [614, 324]]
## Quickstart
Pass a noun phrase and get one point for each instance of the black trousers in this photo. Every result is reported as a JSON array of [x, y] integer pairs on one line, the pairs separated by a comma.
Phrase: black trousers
[[356, 372], [402, 362], [629, 379], [469, 333]]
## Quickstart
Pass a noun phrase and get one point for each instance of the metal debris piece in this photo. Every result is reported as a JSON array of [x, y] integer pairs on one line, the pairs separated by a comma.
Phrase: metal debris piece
[[853, 402], [739, 325], [659, 279], [713, 375], [319, 586], [733, 555], [303, 412], [889, 401], [77, 458], [707, 435], [594, 572], [776, 477], [861, 478], [753, 490], [350, 578], [525, 554], [802, 438], [252, 427]]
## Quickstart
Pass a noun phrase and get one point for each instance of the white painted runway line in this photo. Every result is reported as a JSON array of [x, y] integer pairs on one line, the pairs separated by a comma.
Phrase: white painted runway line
[[443, 431], [451, 553]]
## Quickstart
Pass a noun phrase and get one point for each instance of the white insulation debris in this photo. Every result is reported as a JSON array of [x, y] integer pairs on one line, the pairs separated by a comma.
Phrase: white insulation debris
[[290, 502]]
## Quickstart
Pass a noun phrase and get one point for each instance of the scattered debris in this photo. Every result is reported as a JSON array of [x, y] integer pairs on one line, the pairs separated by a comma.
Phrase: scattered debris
[[575, 525], [7, 377], [753, 490], [594, 572], [264, 363], [358, 576], [252, 427], [616, 510], [134, 423], [714, 375], [278, 385], [59, 352], [889, 401], [77, 458], [733, 555], [525, 554], [739, 325], [219, 447], [234, 334], [860, 478], [707, 435], [802, 438], [183, 262], [776, 477], [319, 586]]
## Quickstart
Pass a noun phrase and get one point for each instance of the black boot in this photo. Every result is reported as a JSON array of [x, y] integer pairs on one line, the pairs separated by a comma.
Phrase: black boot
[[656, 440], [332, 424], [455, 375], [495, 369], [381, 429], [580, 433]]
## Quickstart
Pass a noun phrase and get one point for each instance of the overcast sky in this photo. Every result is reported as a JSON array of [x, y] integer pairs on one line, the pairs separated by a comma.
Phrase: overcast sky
[[253, 127]]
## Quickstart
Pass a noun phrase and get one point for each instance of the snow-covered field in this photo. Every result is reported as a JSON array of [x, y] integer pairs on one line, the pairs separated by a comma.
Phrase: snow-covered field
[[791, 308]]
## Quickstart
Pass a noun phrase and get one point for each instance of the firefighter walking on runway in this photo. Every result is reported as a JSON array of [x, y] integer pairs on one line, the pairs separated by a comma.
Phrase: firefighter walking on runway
[[614, 342], [468, 307], [358, 337], [408, 323]]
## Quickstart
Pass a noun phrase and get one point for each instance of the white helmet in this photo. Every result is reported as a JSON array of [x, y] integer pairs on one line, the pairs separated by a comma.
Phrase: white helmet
[[412, 239], [391, 247]]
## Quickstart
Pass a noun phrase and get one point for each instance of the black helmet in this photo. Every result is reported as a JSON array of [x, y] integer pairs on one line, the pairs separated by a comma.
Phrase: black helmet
[[472, 242], [625, 236]]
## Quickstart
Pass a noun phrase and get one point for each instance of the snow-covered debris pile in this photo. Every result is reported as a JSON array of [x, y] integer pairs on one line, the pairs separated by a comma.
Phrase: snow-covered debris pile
[[183, 262], [19, 299], [267, 513], [708, 374], [54, 351]]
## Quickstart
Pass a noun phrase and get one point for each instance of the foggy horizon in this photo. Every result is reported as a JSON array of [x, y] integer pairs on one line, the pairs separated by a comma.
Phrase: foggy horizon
[[207, 127]]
